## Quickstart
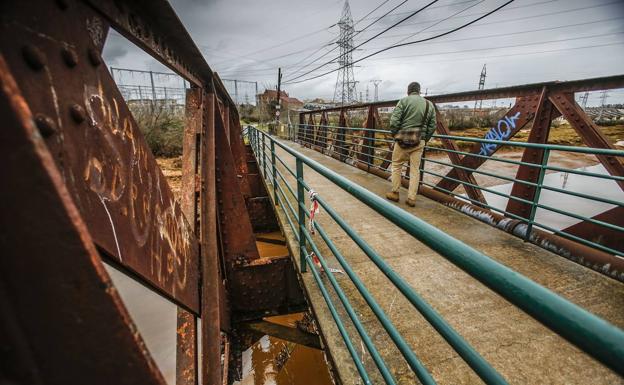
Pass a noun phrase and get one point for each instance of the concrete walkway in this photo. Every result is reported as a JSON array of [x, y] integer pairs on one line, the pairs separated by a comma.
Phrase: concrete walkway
[[520, 348]]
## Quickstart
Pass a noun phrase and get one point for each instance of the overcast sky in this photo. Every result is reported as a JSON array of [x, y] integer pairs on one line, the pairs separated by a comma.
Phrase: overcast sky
[[527, 41]]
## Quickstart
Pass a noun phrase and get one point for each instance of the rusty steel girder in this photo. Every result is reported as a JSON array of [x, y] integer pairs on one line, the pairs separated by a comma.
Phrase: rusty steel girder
[[96, 143], [49, 265], [594, 84], [539, 134]]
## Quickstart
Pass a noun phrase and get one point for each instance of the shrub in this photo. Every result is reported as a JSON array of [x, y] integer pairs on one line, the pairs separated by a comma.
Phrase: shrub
[[162, 126]]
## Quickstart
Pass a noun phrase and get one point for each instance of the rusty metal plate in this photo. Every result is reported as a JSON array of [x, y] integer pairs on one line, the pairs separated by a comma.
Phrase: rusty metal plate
[[61, 319], [103, 158]]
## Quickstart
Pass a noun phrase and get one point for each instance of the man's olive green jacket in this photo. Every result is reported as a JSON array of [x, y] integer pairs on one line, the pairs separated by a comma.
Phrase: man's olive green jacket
[[408, 123]]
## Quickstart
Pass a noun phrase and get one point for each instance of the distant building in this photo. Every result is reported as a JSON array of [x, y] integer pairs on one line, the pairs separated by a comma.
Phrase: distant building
[[264, 99], [318, 104]]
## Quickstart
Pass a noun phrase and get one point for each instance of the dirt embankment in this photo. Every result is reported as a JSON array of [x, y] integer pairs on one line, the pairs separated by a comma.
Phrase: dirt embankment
[[172, 169]]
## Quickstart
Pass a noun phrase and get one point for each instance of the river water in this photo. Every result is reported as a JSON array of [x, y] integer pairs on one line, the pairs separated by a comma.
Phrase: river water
[[592, 186]]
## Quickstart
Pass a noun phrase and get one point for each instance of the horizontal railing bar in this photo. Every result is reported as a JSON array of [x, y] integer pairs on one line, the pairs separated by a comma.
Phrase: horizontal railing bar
[[586, 173], [475, 155], [480, 188], [472, 170], [310, 126], [552, 147]]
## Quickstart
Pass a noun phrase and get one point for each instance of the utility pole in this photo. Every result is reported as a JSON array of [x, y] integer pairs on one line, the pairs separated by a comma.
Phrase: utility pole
[[278, 106], [236, 92], [367, 99], [376, 83], [481, 86]]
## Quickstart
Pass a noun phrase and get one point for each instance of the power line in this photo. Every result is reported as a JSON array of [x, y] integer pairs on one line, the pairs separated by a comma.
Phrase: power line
[[476, 14], [371, 38], [516, 54], [357, 33], [417, 41], [510, 46], [441, 21], [522, 32]]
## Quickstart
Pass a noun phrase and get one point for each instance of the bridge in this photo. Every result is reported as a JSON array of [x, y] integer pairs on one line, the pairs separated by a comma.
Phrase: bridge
[[477, 283]]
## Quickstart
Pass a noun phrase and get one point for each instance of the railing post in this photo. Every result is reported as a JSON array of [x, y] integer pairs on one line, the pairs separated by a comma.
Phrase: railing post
[[264, 154], [538, 190], [421, 166], [273, 167], [302, 221]]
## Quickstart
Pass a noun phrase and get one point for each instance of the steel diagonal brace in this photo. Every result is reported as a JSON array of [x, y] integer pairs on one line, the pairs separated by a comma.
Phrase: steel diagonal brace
[[521, 114], [588, 131], [465, 176], [540, 129]]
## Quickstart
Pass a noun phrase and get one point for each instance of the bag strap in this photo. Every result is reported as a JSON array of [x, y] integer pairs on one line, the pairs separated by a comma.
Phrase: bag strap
[[425, 119]]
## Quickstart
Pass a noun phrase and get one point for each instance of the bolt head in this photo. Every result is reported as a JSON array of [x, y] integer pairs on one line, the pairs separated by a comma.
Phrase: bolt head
[[34, 57], [94, 57], [46, 125], [77, 113], [69, 57]]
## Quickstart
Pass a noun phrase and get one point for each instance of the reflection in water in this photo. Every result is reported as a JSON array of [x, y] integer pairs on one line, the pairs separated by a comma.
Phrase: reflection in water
[[592, 186], [272, 361]]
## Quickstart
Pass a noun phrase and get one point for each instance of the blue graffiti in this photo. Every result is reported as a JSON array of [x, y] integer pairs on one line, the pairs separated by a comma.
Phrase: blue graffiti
[[502, 131]]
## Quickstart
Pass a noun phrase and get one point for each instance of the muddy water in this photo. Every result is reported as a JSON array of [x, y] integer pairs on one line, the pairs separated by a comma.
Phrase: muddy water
[[272, 361]]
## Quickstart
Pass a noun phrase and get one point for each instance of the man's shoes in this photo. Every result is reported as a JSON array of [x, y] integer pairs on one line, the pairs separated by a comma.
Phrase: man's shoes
[[393, 196], [411, 202]]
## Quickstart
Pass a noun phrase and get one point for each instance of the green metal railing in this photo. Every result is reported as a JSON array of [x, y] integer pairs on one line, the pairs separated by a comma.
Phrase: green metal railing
[[372, 148], [595, 336]]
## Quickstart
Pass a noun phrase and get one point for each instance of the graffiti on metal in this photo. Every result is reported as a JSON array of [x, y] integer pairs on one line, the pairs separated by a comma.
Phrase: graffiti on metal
[[502, 131]]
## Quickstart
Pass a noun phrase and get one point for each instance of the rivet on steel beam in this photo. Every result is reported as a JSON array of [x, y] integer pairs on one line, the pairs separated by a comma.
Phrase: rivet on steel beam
[[77, 113], [94, 57], [69, 57], [33, 57], [45, 125]]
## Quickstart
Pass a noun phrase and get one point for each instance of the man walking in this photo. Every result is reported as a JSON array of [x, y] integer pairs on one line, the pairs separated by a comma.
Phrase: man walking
[[412, 123]]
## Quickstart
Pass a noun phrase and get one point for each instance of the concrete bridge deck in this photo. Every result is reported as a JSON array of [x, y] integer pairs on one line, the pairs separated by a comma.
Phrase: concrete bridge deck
[[520, 348]]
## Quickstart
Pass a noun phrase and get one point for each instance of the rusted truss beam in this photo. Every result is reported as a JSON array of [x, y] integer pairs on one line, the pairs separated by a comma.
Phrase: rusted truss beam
[[582, 85], [105, 162], [49, 265]]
